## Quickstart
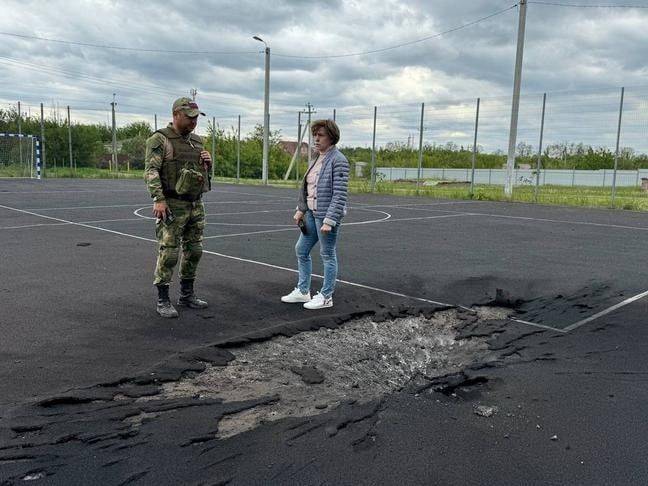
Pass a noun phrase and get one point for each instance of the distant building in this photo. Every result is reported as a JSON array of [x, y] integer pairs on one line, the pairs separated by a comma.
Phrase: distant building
[[289, 147]]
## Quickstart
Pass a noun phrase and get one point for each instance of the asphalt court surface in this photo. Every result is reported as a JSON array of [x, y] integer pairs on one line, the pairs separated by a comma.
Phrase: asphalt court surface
[[79, 255], [568, 264]]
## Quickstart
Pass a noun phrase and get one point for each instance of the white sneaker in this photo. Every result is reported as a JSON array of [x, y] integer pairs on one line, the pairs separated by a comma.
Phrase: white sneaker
[[319, 302], [296, 296]]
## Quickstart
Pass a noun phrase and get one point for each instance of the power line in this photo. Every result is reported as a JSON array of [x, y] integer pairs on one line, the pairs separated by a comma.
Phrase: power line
[[122, 48], [404, 44], [124, 85], [575, 5], [173, 51]]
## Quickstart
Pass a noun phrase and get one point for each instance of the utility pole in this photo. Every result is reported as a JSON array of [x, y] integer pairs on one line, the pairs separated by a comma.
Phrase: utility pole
[[238, 151], [155, 121], [114, 137], [616, 152], [20, 150], [373, 151], [309, 112], [213, 147], [420, 154], [266, 112], [299, 142], [70, 136], [193, 93], [515, 104], [42, 141]]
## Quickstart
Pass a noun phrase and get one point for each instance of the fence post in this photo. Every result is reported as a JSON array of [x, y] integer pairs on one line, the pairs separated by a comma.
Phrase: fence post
[[38, 158], [616, 153], [542, 118], [299, 137], [238, 151], [474, 152], [213, 150], [373, 152], [420, 154], [42, 141], [70, 136]]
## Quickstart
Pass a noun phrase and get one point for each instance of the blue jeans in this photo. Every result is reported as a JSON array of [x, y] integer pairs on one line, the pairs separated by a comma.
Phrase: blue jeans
[[328, 253]]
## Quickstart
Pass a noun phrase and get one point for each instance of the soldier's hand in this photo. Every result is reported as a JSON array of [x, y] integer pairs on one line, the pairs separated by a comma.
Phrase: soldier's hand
[[160, 209], [205, 158]]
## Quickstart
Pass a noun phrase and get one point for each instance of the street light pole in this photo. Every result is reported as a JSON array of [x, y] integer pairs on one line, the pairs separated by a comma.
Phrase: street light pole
[[266, 113]]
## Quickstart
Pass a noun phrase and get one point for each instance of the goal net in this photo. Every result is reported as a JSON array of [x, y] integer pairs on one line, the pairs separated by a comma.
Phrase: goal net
[[19, 155]]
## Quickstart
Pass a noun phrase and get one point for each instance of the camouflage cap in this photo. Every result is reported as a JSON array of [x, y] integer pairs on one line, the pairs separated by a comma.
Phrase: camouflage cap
[[187, 106]]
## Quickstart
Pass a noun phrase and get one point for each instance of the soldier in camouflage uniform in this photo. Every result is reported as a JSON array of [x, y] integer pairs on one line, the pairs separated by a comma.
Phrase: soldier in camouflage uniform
[[177, 173]]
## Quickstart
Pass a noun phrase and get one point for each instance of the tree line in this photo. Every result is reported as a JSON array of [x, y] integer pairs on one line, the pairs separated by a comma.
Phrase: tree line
[[91, 147]]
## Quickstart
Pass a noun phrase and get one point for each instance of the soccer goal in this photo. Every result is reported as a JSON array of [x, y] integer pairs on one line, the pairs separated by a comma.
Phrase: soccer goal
[[20, 155]]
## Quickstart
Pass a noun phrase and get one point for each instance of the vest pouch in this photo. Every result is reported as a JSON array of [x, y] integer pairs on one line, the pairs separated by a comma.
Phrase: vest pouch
[[190, 183]]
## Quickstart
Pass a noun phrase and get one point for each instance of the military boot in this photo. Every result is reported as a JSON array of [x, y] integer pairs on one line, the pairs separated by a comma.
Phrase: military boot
[[187, 296], [164, 306]]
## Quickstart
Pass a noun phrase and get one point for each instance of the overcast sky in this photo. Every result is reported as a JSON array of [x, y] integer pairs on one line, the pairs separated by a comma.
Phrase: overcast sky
[[580, 56]]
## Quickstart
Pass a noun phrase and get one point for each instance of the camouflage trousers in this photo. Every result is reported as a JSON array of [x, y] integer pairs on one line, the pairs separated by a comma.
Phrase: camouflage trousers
[[186, 232]]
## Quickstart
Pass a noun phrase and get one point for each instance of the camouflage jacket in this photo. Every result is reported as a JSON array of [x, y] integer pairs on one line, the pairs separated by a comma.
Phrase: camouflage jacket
[[158, 151]]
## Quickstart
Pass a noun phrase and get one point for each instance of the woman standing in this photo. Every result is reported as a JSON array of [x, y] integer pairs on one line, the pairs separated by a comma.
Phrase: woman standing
[[320, 209]]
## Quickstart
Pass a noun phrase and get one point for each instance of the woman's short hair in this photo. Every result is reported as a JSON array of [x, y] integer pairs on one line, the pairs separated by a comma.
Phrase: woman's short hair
[[332, 130]]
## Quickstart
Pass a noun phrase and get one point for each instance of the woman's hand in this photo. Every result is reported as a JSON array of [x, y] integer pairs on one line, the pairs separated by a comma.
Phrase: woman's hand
[[325, 228], [298, 215]]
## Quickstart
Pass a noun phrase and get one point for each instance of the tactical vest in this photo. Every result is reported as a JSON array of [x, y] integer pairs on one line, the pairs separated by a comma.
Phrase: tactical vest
[[186, 153]]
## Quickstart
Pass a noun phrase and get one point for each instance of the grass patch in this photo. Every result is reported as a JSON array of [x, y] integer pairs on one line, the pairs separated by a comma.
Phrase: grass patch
[[628, 198]]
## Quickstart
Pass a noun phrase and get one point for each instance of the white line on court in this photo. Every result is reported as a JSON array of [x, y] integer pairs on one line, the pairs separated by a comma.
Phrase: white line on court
[[229, 235], [64, 224], [39, 225], [287, 210], [407, 205], [528, 218], [36, 193], [140, 205], [254, 262], [541, 326], [293, 227], [606, 311], [260, 195], [389, 292]]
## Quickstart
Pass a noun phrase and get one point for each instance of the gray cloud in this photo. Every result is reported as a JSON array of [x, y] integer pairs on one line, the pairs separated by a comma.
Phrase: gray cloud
[[566, 48]]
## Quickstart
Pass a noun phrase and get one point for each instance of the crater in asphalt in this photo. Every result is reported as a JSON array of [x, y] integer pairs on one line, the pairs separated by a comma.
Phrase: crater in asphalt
[[316, 371]]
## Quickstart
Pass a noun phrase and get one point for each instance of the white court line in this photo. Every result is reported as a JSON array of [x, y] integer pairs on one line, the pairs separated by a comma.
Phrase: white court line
[[31, 193], [32, 226], [260, 195], [606, 311], [287, 210], [354, 284], [64, 224], [528, 218], [344, 225], [293, 228], [541, 326], [146, 206], [255, 262], [564, 221], [407, 205]]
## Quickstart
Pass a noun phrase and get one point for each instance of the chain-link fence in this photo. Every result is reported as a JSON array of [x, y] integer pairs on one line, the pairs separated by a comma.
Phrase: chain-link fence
[[586, 145]]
